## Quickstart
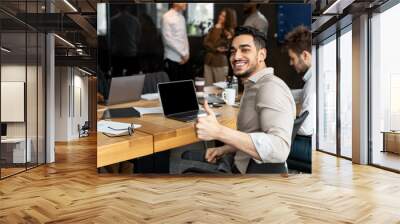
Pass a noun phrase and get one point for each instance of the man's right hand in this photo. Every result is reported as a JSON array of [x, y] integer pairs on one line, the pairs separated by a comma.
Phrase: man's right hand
[[213, 154], [184, 59]]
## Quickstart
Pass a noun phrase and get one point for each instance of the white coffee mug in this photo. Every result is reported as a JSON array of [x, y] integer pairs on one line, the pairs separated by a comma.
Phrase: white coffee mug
[[229, 96]]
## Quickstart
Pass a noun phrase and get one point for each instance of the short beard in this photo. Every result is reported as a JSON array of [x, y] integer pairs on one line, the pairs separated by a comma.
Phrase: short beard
[[303, 66], [247, 73]]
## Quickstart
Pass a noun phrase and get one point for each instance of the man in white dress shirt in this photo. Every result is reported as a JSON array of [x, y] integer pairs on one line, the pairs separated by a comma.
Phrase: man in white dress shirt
[[176, 43], [298, 44]]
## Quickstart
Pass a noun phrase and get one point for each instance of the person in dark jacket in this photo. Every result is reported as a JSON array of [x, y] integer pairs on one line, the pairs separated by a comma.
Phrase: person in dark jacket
[[216, 43], [125, 36]]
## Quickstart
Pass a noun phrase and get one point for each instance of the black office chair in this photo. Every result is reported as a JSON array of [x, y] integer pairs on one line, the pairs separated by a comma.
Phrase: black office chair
[[152, 79], [300, 155], [84, 129], [298, 122]]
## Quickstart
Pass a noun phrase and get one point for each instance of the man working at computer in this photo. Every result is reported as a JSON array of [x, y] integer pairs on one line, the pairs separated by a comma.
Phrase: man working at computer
[[266, 115], [298, 44]]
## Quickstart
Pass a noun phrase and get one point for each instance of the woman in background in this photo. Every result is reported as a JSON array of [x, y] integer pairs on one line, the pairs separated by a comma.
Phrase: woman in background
[[216, 43]]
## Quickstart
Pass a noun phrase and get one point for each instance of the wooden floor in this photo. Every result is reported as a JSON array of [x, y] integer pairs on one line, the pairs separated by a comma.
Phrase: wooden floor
[[10, 171], [71, 191]]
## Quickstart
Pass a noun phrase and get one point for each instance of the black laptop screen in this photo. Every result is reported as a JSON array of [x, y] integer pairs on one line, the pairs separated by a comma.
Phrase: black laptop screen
[[178, 97], [3, 129]]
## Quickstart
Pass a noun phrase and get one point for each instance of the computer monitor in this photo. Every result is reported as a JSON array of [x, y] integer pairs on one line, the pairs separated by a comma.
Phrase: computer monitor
[[125, 89], [3, 129]]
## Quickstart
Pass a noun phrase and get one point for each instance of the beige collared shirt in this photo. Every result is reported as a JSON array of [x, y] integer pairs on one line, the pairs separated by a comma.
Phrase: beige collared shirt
[[267, 112]]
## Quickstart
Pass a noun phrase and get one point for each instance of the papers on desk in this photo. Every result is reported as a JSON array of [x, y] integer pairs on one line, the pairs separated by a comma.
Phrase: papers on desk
[[150, 96], [114, 128], [221, 85], [149, 110]]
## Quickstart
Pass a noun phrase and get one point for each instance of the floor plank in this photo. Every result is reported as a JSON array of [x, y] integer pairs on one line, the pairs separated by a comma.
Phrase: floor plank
[[71, 191]]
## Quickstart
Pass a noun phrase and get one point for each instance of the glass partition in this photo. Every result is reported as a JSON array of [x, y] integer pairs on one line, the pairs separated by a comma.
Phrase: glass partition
[[13, 94], [385, 89], [22, 88], [346, 92], [327, 96]]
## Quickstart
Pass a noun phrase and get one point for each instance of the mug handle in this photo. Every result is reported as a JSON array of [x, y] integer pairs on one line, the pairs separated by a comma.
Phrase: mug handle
[[224, 96]]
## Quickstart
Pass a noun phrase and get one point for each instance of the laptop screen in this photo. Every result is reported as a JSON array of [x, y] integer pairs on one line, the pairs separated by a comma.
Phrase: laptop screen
[[178, 97], [3, 129]]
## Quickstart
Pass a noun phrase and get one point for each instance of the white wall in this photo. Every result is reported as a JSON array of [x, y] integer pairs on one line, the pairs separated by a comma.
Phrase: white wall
[[71, 102]]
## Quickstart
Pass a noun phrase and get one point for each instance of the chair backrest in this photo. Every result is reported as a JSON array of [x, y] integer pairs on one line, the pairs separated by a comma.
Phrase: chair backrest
[[300, 151], [86, 125], [297, 123], [152, 79]]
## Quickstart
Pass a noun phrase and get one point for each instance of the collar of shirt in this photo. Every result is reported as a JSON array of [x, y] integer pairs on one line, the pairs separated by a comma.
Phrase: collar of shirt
[[258, 75], [308, 75], [175, 13], [254, 14]]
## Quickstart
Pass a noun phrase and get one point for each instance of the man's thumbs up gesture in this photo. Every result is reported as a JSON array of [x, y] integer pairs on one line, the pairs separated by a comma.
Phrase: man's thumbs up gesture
[[208, 127]]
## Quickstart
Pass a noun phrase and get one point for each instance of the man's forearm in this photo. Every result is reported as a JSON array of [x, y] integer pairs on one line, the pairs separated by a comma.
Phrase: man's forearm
[[238, 140]]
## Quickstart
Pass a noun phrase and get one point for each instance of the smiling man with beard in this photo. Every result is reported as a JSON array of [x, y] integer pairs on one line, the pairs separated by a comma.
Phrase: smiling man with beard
[[261, 143]]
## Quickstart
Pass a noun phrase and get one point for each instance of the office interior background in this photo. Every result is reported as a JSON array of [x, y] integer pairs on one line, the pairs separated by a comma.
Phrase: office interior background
[[54, 56], [39, 108]]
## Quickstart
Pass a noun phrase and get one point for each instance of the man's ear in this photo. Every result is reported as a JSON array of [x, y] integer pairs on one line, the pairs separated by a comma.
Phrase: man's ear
[[262, 54], [305, 55]]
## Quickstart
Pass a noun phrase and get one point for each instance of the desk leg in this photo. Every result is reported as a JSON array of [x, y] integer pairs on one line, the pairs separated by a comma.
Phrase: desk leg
[[384, 143]]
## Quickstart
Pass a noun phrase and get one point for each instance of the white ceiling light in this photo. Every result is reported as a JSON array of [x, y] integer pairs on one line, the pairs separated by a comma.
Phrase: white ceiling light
[[70, 5], [65, 41], [5, 50], [101, 19]]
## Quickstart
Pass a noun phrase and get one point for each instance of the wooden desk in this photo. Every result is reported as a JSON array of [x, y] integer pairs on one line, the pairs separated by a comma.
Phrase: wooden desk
[[15, 149], [391, 141], [157, 134]]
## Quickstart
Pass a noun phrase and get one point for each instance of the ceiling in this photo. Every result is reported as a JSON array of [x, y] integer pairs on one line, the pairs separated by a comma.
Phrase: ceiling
[[72, 20]]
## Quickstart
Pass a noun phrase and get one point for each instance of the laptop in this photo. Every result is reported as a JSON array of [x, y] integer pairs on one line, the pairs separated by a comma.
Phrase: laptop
[[125, 89], [3, 131], [178, 100], [120, 113]]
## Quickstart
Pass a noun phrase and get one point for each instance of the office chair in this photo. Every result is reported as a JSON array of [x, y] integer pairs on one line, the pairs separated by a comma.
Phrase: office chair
[[152, 79], [84, 129], [300, 155]]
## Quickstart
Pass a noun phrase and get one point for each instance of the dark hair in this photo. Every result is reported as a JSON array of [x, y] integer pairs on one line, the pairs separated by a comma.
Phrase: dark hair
[[299, 40], [230, 19], [259, 37]]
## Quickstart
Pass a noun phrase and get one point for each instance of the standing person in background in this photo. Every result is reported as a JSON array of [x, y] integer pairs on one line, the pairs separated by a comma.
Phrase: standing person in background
[[255, 18], [125, 36], [216, 44], [298, 44], [176, 43]]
